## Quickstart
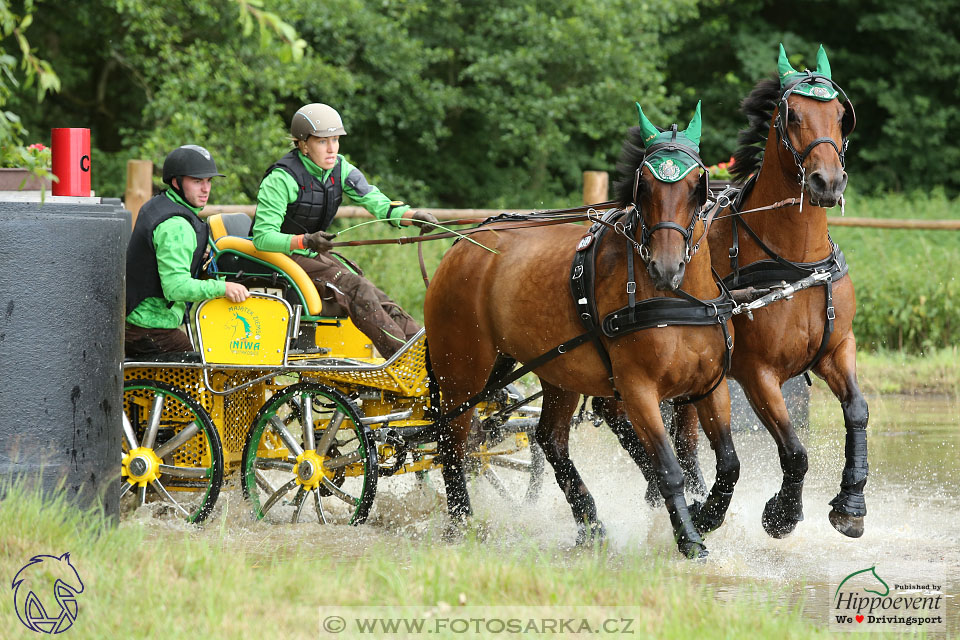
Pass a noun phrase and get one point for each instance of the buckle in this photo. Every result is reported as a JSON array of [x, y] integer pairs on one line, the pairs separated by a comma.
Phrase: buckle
[[831, 313], [631, 287], [733, 252], [577, 271]]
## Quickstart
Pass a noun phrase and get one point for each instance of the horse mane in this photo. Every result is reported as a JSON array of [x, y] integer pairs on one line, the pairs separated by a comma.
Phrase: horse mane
[[632, 154], [758, 106]]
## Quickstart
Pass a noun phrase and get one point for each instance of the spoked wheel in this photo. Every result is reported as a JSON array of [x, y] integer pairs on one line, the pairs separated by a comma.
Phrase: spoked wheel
[[309, 456], [171, 451], [503, 451]]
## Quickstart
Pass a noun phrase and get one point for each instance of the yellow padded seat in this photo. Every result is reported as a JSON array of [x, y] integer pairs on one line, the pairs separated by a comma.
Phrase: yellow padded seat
[[229, 231]]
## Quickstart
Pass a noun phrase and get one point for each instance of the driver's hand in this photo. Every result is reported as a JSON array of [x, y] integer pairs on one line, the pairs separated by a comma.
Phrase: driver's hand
[[422, 219], [236, 292]]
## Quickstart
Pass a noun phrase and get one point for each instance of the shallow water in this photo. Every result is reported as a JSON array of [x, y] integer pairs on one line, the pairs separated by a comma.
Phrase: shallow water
[[913, 501]]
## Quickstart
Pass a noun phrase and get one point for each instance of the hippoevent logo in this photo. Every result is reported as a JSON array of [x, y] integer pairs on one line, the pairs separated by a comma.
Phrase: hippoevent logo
[[246, 330], [865, 601], [45, 593]]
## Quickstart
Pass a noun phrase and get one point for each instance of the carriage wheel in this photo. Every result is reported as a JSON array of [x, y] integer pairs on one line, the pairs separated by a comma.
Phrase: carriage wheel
[[171, 451], [504, 453], [309, 455]]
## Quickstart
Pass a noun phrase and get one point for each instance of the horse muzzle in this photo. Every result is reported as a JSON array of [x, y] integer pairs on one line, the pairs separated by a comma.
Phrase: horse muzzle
[[825, 186]]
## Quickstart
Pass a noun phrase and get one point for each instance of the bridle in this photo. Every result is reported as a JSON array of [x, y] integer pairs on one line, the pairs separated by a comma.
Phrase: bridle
[[703, 188], [847, 125]]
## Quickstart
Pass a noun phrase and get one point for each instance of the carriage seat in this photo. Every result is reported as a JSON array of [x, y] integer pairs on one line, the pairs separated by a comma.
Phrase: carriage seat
[[231, 232]]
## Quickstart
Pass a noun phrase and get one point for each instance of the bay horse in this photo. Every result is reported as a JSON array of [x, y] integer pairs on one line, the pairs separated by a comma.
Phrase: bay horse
[[486, 311], [793, 149]]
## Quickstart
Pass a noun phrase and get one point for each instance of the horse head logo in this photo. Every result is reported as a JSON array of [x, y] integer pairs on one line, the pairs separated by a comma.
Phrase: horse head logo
[[32, 587], [240, 326], [872, 571]]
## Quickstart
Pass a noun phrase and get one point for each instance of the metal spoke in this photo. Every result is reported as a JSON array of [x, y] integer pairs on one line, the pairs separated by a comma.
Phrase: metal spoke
[[340, 493], [298, 503], [316, 500], [306, 410], [125, 489], [497, 483], [292, 445], [156, 410], [341, 461], [510, 463], [128, 433], [330, 433], [174, 443], [274, 464], [143, 495], [282, 491], [185, 472], [262, 483], [159, 488]]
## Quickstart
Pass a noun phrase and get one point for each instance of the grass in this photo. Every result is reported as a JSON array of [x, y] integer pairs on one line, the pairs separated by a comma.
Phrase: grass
[[152, 582], [934, 372]]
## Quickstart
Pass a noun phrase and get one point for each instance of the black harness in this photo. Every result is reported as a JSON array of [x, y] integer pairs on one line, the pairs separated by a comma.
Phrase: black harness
[[776, 270], [642, 314]]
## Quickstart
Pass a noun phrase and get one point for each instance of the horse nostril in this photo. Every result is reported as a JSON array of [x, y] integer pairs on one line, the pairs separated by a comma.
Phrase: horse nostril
[[817, 183]]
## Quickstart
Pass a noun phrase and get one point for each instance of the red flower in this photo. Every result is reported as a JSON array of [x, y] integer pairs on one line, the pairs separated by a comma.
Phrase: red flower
[[37, 146]]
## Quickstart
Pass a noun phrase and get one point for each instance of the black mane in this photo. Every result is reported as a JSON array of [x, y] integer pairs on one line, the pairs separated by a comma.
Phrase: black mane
[[758, 107], [631, 156]]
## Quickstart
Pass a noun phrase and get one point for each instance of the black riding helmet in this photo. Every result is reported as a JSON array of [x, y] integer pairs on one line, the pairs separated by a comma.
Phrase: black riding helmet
[[189, 160]]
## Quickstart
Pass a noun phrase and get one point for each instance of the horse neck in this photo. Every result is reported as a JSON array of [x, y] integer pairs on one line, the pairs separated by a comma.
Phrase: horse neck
[[800, 236]]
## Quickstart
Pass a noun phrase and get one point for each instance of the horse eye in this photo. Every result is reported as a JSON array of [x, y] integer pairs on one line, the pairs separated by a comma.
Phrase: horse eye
[[794, 117]]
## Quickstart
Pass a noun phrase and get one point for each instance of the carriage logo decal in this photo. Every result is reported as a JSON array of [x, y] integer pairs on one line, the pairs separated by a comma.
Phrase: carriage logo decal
[[245, 325], [33, 586]]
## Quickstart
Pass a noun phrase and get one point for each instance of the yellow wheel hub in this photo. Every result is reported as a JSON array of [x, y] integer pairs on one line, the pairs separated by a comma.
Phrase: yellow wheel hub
[[310, 469], [140, 466]]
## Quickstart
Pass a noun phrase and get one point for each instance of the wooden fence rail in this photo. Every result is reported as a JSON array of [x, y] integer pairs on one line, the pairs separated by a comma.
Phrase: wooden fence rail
[[595, 189]]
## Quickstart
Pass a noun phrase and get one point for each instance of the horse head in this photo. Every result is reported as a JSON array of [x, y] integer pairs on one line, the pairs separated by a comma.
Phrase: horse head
[[666, 183], [812, 124]]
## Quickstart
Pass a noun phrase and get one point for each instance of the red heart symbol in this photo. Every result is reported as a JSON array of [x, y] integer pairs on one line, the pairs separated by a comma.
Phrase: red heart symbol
[[859, 618]]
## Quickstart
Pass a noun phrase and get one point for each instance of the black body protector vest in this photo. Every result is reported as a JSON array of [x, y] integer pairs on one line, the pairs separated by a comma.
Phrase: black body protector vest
[[317, 202], [143, 278]]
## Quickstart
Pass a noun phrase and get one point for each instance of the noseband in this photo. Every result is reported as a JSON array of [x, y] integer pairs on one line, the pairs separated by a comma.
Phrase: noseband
[[847, 126], [643, 248]]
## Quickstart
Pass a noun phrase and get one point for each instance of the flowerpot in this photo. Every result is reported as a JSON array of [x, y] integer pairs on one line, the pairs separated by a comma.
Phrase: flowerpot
[[11, 179]]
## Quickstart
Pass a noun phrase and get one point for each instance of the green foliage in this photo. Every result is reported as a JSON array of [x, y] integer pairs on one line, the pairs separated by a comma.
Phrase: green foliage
[[32, 71], [897, 61], [906, 280]]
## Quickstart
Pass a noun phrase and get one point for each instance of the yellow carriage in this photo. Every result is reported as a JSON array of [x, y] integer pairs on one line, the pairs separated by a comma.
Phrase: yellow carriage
[[296, 401]]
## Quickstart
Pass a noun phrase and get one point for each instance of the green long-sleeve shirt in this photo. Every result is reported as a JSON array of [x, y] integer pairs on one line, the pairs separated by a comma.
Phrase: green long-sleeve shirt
[[174, 241], [279, 189]]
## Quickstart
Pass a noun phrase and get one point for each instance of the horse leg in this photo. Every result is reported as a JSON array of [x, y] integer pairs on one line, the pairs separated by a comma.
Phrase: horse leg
[[839, 370], [785, 509], [613, 414], [553, 436], [644, 411], [451, 450], [714, 413], [685, 438]]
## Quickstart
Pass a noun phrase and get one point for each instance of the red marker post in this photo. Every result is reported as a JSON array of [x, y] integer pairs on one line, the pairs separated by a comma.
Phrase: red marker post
[[70, 150]]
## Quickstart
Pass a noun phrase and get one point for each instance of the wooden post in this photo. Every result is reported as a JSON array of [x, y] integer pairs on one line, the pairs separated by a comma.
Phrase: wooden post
[[595, 187], [139, 185]]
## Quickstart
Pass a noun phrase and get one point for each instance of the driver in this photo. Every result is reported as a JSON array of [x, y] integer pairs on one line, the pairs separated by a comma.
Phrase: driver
[[165, 254], [298, 199]]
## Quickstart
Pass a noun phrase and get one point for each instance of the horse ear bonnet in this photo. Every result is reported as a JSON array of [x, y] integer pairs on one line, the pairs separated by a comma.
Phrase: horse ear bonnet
[[818, 85]]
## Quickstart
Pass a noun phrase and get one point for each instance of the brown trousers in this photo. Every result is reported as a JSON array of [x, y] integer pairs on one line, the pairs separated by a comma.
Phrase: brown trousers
[[140, 341], [346, 293]]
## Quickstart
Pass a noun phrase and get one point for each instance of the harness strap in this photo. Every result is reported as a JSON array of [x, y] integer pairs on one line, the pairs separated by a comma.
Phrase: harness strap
[[493, 386]]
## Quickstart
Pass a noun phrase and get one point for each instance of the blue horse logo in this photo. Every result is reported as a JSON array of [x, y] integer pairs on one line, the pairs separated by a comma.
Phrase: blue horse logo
[[39, 578]]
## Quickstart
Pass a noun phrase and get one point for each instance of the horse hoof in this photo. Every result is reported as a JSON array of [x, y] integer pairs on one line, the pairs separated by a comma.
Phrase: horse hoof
[[775, 521], [653, 497], [693, 550], [703, 522], [850, 526], [590, 534]]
